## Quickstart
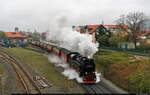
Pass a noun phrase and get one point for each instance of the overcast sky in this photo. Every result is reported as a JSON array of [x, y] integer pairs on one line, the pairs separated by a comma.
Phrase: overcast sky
[[37, 14]]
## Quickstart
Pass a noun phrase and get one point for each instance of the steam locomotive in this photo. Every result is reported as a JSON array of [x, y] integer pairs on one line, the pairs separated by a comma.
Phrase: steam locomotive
[[82, 65]]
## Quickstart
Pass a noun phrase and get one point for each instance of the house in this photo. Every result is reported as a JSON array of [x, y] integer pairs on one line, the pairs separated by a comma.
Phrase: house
[[144, 37], [17, 37], [117, 29], [127, 45], [94, 30]]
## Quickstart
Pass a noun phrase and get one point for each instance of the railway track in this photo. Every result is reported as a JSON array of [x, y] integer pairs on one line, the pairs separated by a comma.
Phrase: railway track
[[90, 88], [27, 83], [95, 89]]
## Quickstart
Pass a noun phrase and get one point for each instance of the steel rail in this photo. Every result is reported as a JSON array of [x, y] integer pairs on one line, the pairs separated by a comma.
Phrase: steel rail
[[14, 63]]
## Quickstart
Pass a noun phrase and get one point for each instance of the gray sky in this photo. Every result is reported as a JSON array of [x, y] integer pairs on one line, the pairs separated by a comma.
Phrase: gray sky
[[37, 14]]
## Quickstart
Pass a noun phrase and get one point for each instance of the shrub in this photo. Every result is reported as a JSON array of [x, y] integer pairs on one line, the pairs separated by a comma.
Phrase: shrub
[[128, 76], [140, 82], [143, 47]]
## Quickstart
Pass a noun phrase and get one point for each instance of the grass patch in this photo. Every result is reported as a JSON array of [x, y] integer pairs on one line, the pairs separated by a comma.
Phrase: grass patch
[[41, 63], [106, 60], [2, 70], [103, 52]]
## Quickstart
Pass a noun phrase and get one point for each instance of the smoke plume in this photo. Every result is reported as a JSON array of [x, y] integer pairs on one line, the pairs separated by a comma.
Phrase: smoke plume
[[68, 38]]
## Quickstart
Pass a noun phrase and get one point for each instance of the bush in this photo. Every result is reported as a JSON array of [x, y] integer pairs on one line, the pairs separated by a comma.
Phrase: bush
[[103, 40], [130, 76], [140, 82], [3, 36], [114, 41], [143, 47]]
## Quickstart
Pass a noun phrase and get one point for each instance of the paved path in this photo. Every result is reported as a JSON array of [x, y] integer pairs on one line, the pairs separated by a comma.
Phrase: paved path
[[113, 88]]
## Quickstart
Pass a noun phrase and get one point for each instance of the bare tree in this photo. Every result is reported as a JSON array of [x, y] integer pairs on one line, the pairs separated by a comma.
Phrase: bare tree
[[135, 22], [121, 20]]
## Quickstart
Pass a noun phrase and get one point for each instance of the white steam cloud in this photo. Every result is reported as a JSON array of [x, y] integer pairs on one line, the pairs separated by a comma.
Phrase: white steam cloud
[[72, 74], [68, 72], [97, 77], [72, 40]]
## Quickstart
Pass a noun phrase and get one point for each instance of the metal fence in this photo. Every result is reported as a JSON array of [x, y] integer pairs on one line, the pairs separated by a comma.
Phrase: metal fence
[[126, 50]]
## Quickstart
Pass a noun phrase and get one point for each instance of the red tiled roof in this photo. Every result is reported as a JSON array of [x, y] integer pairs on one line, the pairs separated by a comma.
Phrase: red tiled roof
[[116, 26], [93, 27], [143, 34], [15, 35], [139, 36]]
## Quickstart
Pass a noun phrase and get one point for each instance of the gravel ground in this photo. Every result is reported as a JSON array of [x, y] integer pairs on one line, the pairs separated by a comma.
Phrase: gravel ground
[[113, 88]]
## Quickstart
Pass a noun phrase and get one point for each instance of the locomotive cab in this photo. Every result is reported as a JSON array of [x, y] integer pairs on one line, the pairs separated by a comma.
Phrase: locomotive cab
[[86, 67]]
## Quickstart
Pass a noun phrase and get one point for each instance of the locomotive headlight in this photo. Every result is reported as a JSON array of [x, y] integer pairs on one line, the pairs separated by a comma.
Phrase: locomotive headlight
[[86, 73]]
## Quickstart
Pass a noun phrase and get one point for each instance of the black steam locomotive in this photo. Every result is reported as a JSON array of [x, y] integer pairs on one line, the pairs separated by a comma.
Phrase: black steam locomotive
[[83, 65]]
